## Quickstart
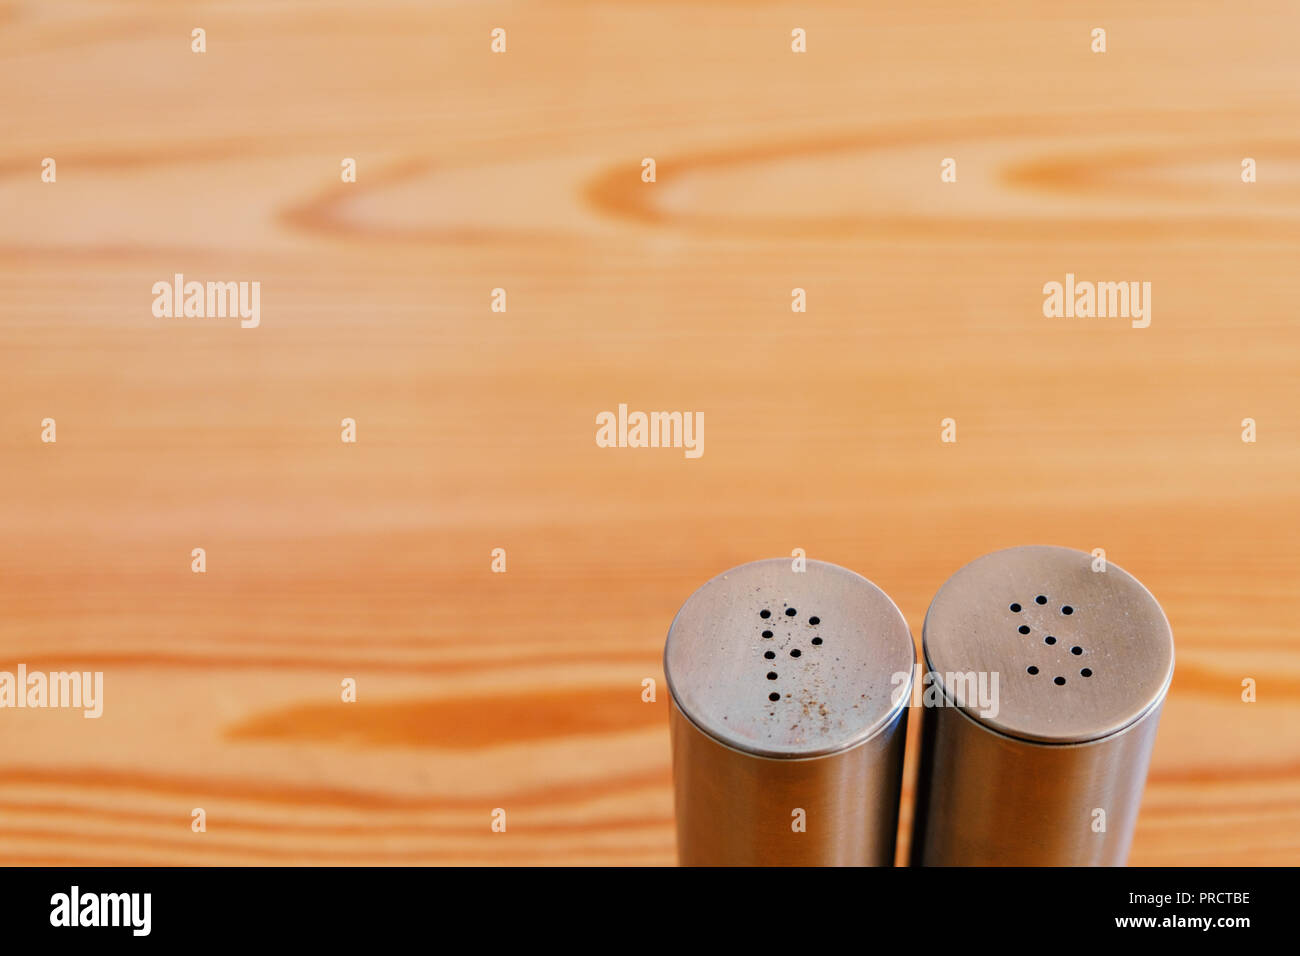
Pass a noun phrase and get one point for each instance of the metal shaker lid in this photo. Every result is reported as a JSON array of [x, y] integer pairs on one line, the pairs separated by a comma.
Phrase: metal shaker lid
[[785, 663], [1079, 652]]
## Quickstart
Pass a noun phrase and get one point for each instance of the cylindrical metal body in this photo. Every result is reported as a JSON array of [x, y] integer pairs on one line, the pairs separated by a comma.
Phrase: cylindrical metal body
[[788, 716], [1045, 671]]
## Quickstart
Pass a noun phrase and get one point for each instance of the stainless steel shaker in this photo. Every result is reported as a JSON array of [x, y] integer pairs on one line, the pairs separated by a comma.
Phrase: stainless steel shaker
[[788, 716]]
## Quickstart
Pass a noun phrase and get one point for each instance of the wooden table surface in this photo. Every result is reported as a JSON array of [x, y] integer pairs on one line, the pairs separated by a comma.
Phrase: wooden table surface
[[522, 171]]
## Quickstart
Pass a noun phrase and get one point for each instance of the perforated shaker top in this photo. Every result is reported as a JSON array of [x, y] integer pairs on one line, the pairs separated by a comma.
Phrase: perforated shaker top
[[1080, 652], [782, 663]]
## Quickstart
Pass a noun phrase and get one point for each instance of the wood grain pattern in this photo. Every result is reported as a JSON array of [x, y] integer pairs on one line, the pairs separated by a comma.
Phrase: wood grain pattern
[[475, 171]]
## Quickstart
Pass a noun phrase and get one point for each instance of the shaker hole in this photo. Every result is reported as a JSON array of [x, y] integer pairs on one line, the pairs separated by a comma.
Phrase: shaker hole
[[1059, 681]]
